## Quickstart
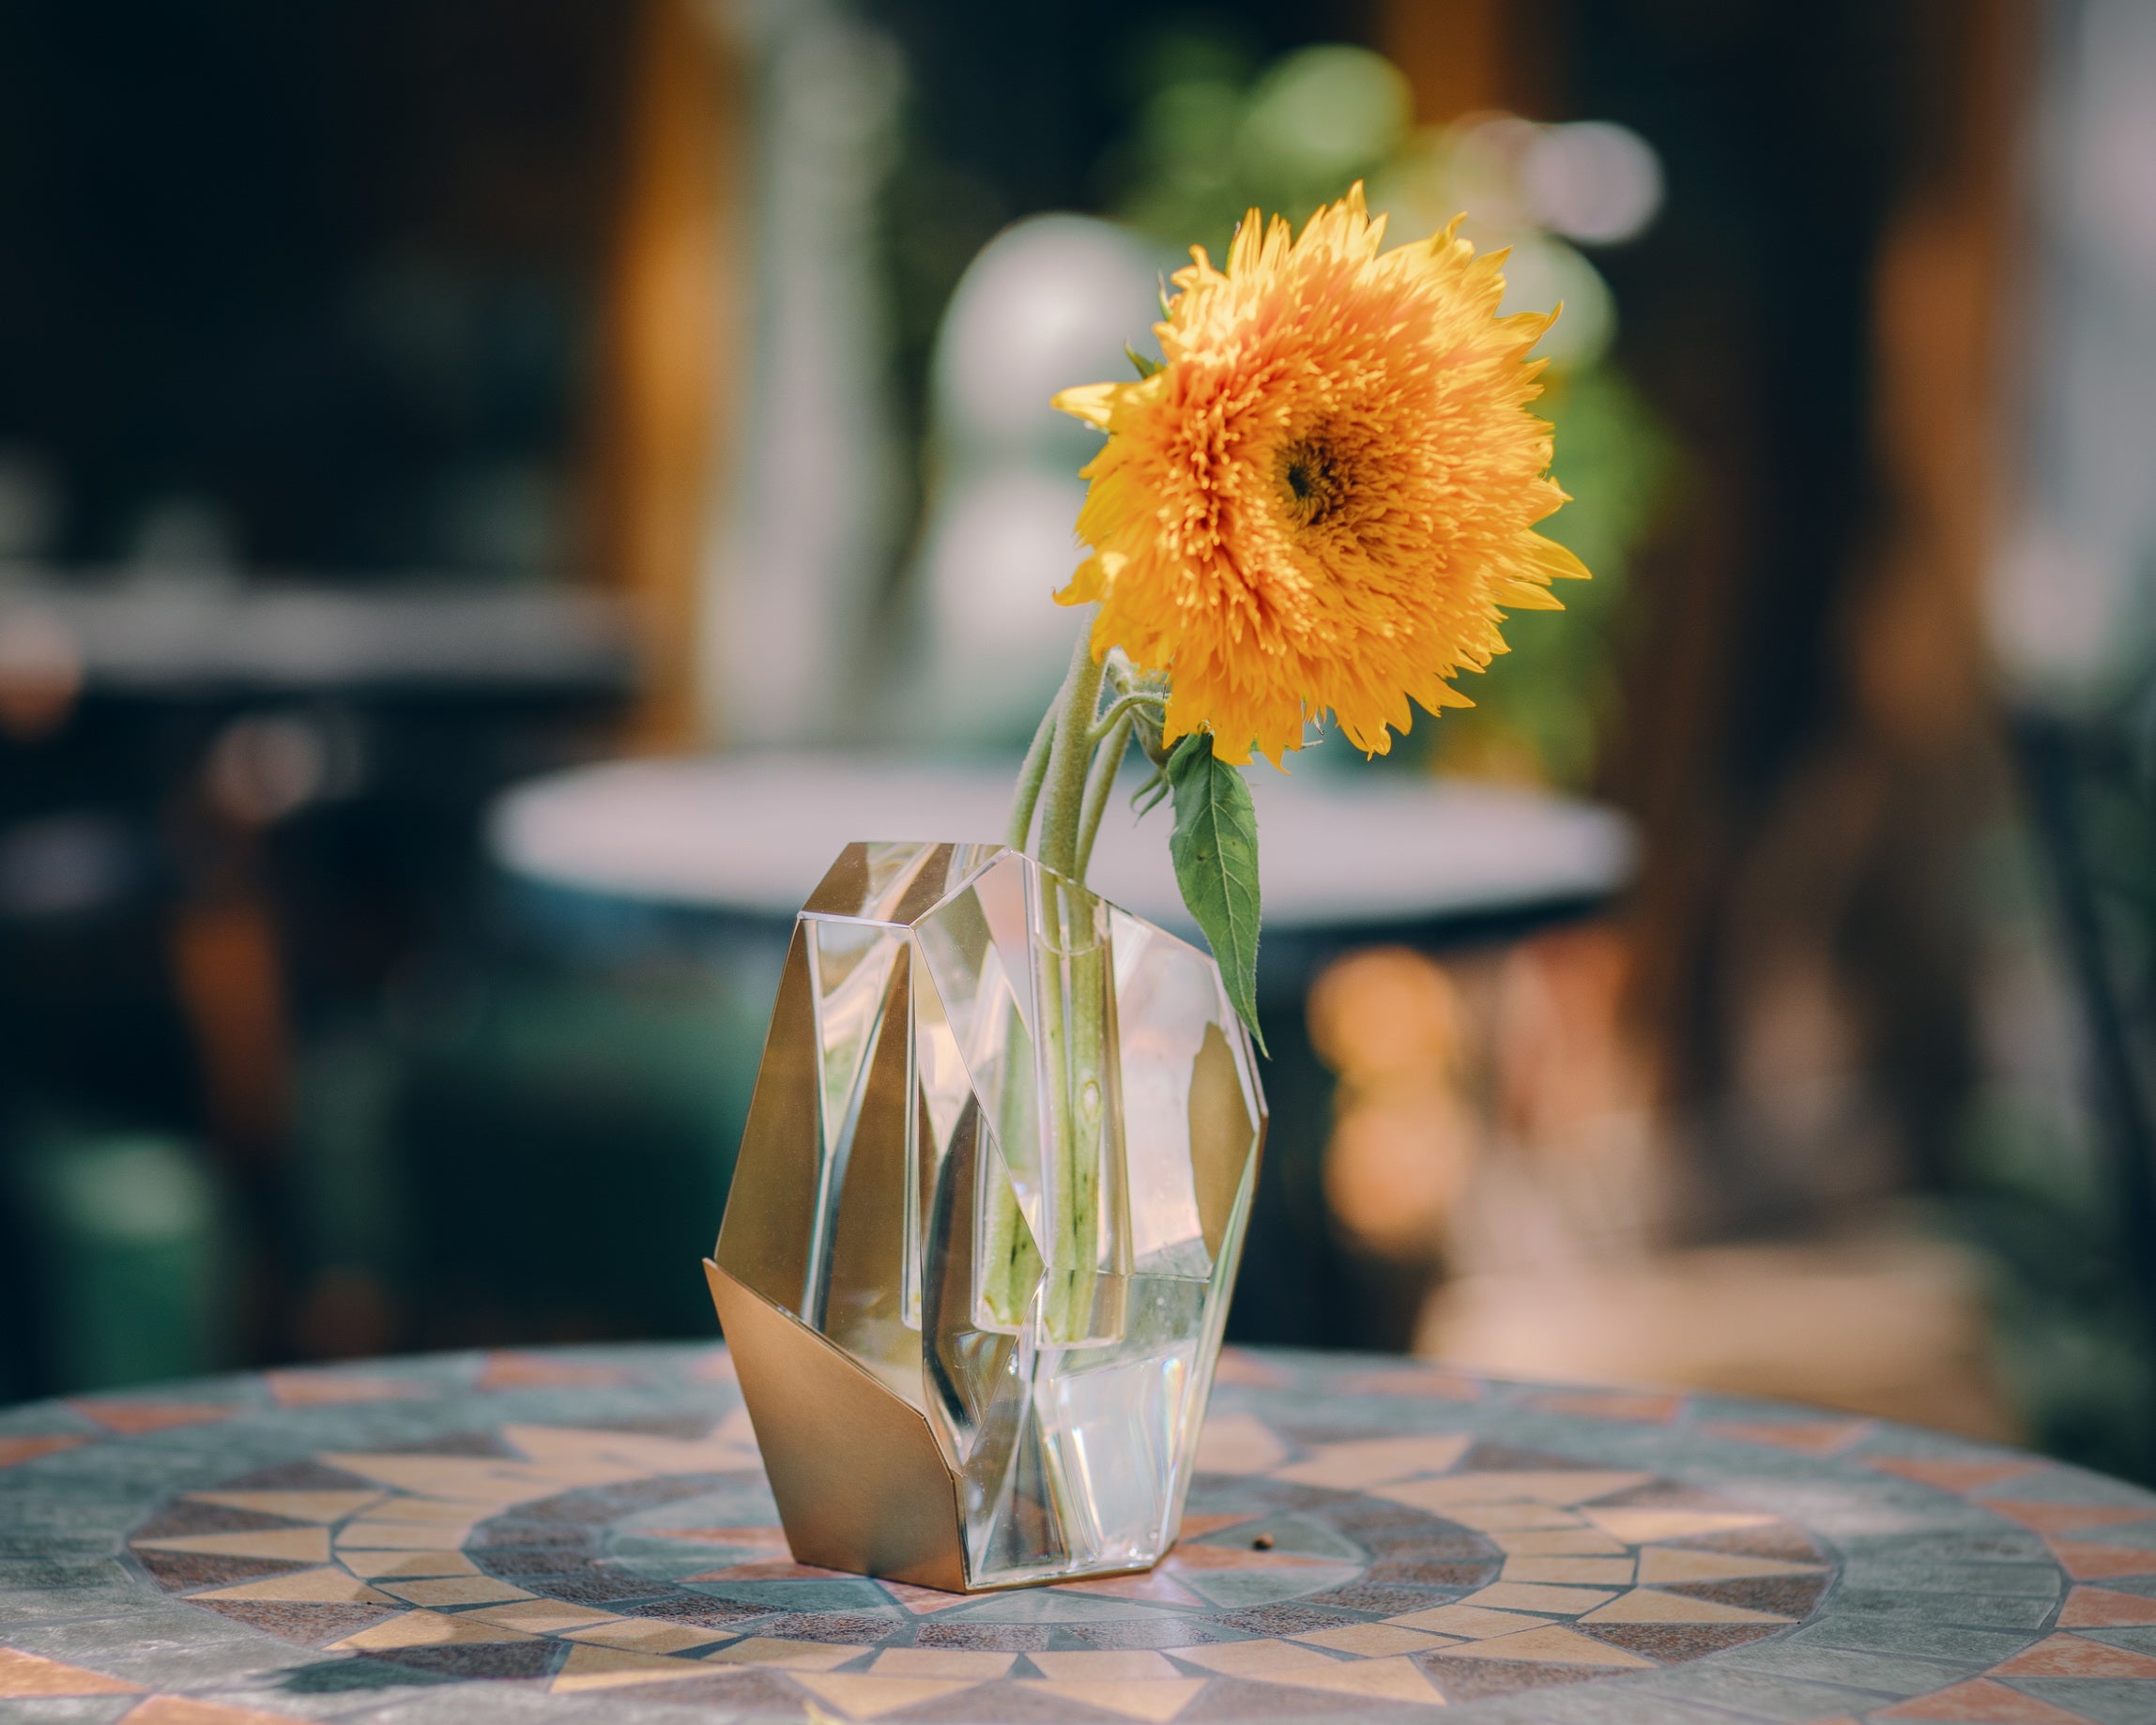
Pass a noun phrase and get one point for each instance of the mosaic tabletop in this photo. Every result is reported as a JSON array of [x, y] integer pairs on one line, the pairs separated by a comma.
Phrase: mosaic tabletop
[[587, 1535]]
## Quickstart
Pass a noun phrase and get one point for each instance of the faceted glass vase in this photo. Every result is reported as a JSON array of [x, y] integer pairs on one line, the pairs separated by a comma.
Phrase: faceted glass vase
[[985, 1221]]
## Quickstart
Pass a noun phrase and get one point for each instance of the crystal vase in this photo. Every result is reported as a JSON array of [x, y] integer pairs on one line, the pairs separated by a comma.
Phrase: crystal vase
[[985, 1220]]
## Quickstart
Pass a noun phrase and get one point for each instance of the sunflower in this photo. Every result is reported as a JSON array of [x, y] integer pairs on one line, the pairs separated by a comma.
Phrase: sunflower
[[1322, 498]]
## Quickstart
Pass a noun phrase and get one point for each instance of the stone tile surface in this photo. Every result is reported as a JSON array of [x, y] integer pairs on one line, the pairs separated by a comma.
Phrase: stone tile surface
[[550, 1539]]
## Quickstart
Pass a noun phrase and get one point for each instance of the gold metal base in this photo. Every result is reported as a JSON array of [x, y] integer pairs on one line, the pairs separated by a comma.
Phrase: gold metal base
[[860, 1483]]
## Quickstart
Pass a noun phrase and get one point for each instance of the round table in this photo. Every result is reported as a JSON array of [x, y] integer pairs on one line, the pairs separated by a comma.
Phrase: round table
[[751, 834], [586, 1535]]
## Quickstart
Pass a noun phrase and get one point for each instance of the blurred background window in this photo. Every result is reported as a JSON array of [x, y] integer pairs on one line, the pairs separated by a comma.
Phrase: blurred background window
[[408, 402]]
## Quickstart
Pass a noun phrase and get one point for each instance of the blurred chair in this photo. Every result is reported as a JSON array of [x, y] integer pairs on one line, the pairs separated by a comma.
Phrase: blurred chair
[[534, 1139], [563, 1156], [2088, 786], [123, 1265]]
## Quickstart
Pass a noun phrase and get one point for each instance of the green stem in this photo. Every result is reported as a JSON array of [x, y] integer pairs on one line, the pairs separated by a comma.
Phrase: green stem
[[1077, 1043], [1030, 777], [1055, 784], [1085, 1066], [1010, 1266], [1124, 709], [1070, 754], [1067, 780], [1101, 787]]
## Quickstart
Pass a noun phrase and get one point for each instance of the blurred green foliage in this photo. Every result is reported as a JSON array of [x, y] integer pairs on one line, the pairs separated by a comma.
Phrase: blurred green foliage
[[1545, 707], [1215, 137]]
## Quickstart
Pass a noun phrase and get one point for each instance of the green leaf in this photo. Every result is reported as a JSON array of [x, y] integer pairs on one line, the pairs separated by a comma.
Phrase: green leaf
[[1145, 367], [1214, 849]]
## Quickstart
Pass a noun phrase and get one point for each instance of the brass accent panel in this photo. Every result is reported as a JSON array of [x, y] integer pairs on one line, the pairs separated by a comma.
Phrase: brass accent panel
[[1223, 1140], [765, 1235], [844, 888], [860, 1483]]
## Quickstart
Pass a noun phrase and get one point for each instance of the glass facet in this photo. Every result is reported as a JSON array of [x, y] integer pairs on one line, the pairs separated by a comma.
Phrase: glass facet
[[1001, 1154]]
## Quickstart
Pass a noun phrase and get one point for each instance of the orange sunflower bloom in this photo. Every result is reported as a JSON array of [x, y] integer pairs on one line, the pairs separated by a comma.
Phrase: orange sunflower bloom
[[1324, 498]]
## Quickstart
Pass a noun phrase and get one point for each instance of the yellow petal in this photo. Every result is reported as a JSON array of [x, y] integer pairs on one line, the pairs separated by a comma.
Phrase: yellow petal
[[1549, 560], [1089, 402], [1086, 583]]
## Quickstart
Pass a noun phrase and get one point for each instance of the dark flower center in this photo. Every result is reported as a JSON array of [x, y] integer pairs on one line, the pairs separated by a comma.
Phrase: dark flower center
[[1313, 480]]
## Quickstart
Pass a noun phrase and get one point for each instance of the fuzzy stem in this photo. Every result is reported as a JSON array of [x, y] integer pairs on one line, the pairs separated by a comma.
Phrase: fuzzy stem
[[1124, 709], [1070, 754], [1030, 777], [1055, 782], [1088, 1050], [1102, 787]]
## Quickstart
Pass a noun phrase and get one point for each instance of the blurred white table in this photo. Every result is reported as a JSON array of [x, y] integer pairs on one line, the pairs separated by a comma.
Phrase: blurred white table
[[191, 636], [1367, 851]]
